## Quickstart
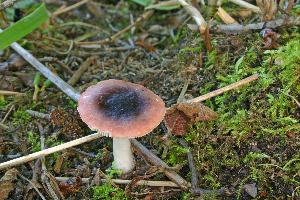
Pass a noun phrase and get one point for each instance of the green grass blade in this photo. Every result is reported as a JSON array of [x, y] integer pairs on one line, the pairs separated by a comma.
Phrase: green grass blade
[[24, 26]]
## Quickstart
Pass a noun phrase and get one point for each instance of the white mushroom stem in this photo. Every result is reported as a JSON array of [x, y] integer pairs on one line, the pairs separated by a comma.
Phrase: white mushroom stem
[[123, 156]]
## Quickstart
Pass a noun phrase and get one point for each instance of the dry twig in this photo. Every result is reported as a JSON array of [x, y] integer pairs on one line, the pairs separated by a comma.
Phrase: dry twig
[[282, 21], [225, 89]]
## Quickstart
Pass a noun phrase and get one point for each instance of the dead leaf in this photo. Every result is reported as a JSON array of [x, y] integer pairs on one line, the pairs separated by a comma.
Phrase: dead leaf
[[6, 185], [70, 186], [146, 46], [197, 111], [180, 114], [269, 37], [291, 134]]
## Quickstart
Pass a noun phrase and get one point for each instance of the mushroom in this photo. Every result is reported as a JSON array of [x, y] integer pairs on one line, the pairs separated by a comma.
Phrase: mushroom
[[121, 110]]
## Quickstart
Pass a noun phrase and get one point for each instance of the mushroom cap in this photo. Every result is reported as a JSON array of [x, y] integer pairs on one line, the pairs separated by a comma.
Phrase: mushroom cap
[[120, 109]]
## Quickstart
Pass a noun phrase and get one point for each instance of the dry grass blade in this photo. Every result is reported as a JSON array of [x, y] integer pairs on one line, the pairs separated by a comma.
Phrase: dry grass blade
[[247, 5], [226, 17], [195, 14], [200, 22]]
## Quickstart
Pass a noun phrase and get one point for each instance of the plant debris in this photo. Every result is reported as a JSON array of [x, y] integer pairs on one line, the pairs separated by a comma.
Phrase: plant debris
[[181, 114]]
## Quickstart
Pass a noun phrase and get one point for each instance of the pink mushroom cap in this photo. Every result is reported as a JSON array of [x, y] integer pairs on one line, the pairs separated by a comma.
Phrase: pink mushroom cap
[[120, 109]]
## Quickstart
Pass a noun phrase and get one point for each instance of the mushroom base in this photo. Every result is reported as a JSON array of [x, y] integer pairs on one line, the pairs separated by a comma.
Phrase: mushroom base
[[123, 156]]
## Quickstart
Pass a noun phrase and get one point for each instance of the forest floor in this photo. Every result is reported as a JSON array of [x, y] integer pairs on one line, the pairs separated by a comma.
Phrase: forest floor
[[251, 151]]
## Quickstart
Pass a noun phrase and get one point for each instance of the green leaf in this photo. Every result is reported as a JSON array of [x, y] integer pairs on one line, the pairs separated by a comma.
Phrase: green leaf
[[23, 26], [238, 64]]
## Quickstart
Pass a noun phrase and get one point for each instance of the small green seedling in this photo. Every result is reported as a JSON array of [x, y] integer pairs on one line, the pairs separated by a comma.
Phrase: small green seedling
[[46, 84]]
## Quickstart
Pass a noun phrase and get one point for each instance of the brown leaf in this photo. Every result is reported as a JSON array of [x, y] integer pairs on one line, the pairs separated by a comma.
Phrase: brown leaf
[[197, 111], [70, 186], [147, 46], [6, 185], [180, 114], [175, 121], [291, 134]]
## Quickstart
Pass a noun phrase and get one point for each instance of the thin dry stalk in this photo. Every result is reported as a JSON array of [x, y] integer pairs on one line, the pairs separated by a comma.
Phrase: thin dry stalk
[[224, 89], [33, 185], [289, 7], [107, 179], [3, 92], [247, 5], [7, 114], [62, 65], [30, 157], [196, 15], [80, 71], [69, 8], [124, 182]]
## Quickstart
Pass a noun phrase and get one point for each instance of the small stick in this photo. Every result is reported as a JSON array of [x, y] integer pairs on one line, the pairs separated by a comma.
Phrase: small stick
[[38, 114], [3, 92], [157, 161], [33, 185], [80, 71], [194, 181], [184, 88], [224, 89], [289, 7], [124, 182], [107, 179], [69, 8], [7, 114], [62, 65], [45, 152], [2, 126], [290, 96]]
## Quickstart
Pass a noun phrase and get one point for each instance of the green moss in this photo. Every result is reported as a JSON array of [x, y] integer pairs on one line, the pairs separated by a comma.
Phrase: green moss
[[257, 111]]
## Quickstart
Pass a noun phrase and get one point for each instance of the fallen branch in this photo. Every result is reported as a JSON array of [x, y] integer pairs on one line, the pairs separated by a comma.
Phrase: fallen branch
[[282, 21]]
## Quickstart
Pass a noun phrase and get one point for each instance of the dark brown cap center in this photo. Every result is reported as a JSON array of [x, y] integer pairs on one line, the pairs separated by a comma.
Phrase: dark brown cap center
[[121, 104]]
